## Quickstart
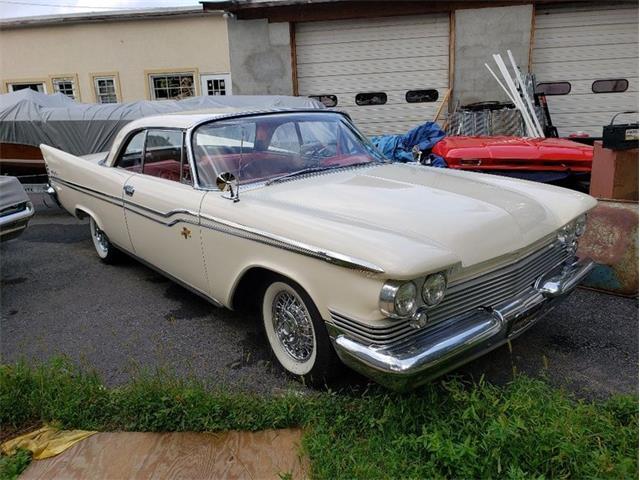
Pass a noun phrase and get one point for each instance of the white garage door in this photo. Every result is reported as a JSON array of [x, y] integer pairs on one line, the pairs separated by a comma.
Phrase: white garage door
[[592, 49], [373, 66]]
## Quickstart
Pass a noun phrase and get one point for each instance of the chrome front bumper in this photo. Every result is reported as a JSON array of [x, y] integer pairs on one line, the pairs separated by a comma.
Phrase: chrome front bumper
[[458, 340], [13, 224]]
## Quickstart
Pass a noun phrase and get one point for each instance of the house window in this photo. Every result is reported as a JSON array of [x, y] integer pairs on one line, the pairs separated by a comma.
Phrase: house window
[[167, 86], [554, 88], [610, 86], [105, 88], [216, 86], [421, 96], [65, 85], [35, 86], [371, 98], [327, 100]]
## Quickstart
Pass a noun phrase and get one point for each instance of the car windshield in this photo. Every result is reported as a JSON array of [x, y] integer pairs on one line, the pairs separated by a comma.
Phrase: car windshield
[[267, 148]]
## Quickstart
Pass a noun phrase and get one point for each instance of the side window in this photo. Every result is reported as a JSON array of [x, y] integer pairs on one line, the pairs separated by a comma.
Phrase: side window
[[131, 156], [164, 156], [285, 139]]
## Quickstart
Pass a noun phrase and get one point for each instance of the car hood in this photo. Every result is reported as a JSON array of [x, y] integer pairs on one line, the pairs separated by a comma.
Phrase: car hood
[[411, 219]]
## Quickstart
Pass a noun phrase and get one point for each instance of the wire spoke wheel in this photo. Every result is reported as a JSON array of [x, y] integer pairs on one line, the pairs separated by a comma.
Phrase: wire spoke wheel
[[293, 326], [290, 328]]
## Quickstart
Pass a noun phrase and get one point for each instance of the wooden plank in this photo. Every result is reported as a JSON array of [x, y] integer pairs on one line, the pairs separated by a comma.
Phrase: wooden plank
[[135, 455]]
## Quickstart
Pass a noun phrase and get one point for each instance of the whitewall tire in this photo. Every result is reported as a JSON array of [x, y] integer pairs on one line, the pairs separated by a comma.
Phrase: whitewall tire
[[105, 250], [296, 333]]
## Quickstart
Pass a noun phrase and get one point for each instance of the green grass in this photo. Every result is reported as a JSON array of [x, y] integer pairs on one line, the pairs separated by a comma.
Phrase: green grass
[[451, 429]]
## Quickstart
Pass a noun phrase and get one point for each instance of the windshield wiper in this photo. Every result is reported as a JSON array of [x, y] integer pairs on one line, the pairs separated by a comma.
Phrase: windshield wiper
[[312, 170], [296, 173]]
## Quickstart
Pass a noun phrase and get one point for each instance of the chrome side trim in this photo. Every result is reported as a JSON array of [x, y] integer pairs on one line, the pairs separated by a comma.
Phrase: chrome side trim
[[288, 244], [89, 191], [230, 228]]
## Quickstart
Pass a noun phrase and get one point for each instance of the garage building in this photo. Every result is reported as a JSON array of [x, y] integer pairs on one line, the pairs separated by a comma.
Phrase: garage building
[[393, 65]]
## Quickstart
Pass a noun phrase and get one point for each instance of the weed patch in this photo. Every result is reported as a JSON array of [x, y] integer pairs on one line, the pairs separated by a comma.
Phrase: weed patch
[[449, 429]]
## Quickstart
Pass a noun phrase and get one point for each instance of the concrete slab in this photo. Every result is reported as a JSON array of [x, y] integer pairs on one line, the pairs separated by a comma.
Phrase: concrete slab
[[133, 455]]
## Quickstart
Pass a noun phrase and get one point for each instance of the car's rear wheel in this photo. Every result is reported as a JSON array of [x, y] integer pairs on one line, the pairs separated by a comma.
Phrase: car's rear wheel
[[297, 334], [104, 248]]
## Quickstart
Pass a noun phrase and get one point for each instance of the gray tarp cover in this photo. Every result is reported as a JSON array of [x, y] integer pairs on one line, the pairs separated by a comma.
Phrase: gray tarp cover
[[32, 118], [11, 192]]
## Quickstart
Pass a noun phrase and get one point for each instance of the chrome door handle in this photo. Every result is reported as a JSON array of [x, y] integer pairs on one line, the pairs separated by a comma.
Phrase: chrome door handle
[[129, 190]]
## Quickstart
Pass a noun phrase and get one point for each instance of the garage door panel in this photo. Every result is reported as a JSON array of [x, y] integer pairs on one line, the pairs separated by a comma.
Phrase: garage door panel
[[582, 87], [394, 97], [580, 39], [330, 53], [623, 68], [425, 21], [376, 66], [590, 103], [391, 55], [585, 18], [370, 35], [380, 82], [582, 44], [589, 52]]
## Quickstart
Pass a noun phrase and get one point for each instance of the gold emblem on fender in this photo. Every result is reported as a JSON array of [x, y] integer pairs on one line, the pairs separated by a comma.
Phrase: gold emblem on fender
[[186, 233]]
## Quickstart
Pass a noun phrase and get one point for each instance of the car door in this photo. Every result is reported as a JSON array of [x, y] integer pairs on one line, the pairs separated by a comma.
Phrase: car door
[[162, 208]]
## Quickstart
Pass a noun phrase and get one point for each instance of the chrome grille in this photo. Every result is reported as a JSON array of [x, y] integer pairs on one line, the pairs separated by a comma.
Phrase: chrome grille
[[485, 290]]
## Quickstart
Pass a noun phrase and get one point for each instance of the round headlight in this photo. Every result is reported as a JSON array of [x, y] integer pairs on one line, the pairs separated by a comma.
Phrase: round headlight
[[581, 224], [405, 301], [434, 288]]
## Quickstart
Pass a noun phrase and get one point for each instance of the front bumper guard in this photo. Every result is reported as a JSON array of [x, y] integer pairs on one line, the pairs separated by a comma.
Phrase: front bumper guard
[[460, 339], [13, 224]]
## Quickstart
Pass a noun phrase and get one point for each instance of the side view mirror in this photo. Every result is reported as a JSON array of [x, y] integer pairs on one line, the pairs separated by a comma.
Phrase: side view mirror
[[227, 182]]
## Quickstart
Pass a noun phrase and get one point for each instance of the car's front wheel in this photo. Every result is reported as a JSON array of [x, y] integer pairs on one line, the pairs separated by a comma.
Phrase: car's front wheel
[[104, 248], [296, 333]]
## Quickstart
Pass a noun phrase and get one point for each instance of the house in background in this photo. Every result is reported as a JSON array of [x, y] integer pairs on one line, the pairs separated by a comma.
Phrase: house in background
[[120, 56]]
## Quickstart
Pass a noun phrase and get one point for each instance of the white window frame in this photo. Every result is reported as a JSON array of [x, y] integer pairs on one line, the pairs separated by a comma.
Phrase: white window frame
[[96, 88], [226, 77], [65, 78], [155, 75], [11, 85]]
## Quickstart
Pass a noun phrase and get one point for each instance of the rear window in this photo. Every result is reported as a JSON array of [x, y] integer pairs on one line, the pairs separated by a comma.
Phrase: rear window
[[554, 88], [610, 86]]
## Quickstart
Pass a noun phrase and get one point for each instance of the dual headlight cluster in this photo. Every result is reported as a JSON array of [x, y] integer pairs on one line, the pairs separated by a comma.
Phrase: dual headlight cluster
[[568, 235], [403, 299]]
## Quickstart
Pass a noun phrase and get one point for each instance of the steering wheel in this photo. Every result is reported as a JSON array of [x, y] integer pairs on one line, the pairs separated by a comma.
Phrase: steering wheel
[[315, 151]]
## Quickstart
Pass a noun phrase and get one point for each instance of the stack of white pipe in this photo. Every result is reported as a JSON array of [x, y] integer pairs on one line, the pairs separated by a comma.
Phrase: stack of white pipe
[[517, 93]]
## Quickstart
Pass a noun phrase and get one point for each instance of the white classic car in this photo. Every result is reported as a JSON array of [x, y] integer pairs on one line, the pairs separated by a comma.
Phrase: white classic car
[[402, 272]]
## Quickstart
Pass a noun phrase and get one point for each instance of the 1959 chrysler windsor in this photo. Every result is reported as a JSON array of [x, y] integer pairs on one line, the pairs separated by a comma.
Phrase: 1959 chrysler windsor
[[401, 271]]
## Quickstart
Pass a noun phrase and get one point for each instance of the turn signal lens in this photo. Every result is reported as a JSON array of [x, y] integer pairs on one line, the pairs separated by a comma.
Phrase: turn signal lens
[[581, 224], [434, 288]]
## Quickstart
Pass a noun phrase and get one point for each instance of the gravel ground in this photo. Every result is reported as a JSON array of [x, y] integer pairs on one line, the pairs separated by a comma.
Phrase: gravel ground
[[58, 298]]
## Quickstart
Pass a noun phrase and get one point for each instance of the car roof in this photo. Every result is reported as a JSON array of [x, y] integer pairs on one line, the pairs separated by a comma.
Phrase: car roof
[[188, 119]]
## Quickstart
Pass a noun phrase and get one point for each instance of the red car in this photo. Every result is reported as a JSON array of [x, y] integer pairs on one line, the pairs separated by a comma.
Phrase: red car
[[516, 155]]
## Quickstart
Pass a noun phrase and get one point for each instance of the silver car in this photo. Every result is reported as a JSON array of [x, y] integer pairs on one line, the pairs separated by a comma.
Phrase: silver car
[[15, 208]]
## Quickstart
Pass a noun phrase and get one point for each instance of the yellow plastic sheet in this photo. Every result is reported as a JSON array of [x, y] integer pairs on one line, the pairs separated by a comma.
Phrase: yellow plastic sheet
[[45, 442]]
